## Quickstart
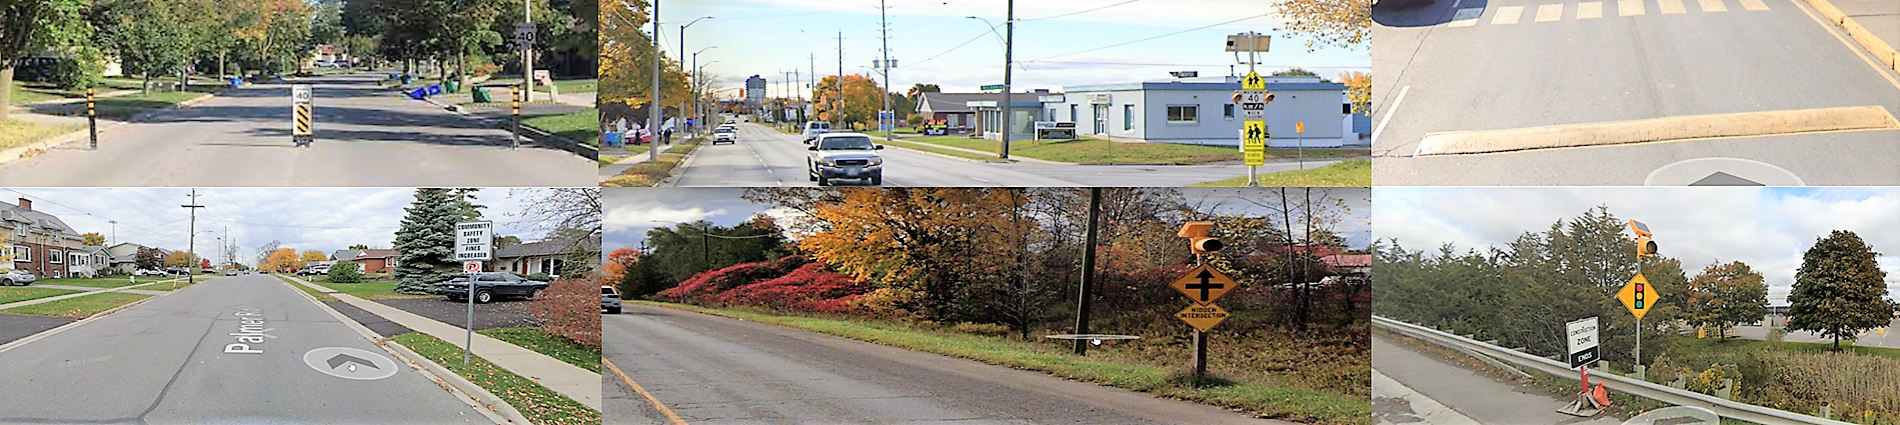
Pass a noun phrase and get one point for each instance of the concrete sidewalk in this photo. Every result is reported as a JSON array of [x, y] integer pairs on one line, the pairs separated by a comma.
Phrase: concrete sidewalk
[[614, 169], [1874, 24], [568, 380], [89, 291]]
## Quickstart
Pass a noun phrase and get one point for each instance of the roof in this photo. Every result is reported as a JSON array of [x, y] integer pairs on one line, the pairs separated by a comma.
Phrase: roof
[[543, 247], [1213, 83], [1348, 260], [358, 254], [20, 215], [953, 102]]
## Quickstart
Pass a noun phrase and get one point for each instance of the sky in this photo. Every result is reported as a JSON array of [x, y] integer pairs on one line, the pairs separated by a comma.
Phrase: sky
[[1767, 228], [928, 39], [325, 220], [631, 212]]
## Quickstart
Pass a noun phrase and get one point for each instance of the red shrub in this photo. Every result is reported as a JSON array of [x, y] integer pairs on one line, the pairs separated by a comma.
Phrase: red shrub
[[570, 308], [809, 282], [707, 284], [835, 305]]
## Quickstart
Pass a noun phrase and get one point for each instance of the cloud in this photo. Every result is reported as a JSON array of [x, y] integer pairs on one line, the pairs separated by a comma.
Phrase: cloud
[[625, 218]]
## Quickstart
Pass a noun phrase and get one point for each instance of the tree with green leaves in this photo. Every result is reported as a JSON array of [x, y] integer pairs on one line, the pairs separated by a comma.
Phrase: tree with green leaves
[[425, 244], [359, 246], [345, 272], [1724, 295], [148, 258], [151, 38], [1839, 291], [579, 262], [32, 27]]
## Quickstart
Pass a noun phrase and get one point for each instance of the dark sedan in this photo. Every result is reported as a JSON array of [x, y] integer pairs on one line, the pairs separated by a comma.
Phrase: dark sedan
[[489, 286]]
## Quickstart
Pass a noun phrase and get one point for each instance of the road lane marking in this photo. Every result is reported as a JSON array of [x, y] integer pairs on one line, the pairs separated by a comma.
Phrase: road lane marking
[[1713, 6], [1672, 7], [1550, 12], [1589, 10], [1466, 17], [643, 393], [1879, 68], [1753, 5], [1389, 112], [1665, 129], [1630, 8], [1507, 15]]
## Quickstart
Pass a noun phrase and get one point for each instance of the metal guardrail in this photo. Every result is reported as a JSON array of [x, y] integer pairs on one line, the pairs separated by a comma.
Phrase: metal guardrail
[[1639, 388]]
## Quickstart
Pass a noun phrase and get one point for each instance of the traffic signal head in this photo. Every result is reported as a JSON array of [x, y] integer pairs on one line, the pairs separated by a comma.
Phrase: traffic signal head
[[1268, 99], [1196, 234], [1645, 247]]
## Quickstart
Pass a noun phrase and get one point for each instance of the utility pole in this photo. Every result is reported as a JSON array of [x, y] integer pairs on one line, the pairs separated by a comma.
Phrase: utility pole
[[653, 109], [1009, 61], [527, 49], [115, 232], [839, 117], [1088, 272], [191, 241], [885, 24]]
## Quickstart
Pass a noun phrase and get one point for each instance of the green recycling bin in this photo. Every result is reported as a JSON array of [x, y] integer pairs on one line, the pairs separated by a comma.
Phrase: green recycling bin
[[453, 86], [481, 95]]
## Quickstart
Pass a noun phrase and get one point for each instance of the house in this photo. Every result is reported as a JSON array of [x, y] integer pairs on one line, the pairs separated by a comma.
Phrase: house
[[545, 256], [39, 242], [1201, 111], [124, 256], [368, 260], [1028, 109], [953, 108], [88, 261]]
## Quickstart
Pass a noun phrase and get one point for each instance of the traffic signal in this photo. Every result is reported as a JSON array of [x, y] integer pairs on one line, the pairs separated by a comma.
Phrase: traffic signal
[[1198, 241], [1644, 246], [1641, 294]]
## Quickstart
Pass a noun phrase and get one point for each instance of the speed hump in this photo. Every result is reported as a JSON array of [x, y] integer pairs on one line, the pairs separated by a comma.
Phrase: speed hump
[[1202, 316], [1638, 296], [1203, 284]]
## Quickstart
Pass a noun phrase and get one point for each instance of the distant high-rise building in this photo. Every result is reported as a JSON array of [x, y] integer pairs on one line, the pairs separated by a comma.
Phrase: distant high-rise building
[[754, 90]]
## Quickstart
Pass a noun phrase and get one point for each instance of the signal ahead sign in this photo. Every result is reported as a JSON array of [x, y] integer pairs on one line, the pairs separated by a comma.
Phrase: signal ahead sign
[[1638, 296], [474, 241], [1581, 338]]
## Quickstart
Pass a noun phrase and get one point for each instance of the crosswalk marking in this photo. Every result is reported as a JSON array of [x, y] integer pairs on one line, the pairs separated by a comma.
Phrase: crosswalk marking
[[1589, 10], [1466, 17], [1672, 7], [1629, 8], [1753, 5], [1713, 6], [1507, 15], [1550, 12]]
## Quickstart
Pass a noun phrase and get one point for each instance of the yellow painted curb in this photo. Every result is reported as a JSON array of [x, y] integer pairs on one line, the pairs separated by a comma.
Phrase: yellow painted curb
[[1882, 51], [1659, 130]]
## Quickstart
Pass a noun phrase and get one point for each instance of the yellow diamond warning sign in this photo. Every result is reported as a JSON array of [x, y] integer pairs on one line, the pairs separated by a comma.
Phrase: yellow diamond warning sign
[[1638, 296], [1203, 284], [1202, 316]]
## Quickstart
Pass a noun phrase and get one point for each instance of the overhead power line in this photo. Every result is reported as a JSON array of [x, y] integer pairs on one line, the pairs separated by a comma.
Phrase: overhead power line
[[1145, 39], [1081, 12]]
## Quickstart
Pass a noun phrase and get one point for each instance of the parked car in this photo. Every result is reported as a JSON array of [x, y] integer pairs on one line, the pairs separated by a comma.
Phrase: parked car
[[230, 272], [815, 128], [177, 271], [148, 272], [609, 300], [844, 156], [17, 277], [725, 134], [489, 286]]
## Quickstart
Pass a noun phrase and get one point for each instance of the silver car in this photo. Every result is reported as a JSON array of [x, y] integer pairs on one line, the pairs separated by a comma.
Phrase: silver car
[[17, 277], [844, 156]]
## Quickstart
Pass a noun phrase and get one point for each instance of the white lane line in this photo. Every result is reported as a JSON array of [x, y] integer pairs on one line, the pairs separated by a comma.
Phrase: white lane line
[[1672, 7], [1389, 112], [1753, 5], [1630, 8], [1712, 6], [1550, 12], [1589, 10], [1507, 15]]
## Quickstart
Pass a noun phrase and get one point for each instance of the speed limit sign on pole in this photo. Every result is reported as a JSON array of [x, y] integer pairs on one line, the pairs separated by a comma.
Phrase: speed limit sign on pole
[[472, 266]]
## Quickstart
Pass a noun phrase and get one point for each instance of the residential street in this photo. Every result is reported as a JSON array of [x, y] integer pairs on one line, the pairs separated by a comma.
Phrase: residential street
[[365, 136], [714, 370], [765, 157], [1411, 387], [186, 358], [1491, 65]]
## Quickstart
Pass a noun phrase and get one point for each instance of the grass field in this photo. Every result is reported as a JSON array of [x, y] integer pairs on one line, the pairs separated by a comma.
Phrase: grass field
[[306, 289], [939, 149], [580, 126], [13, 294], [1135, 370], [15, 134], [104, 282], [553, 346], [77, 307], [539, 404], [647, 174], [378, 290], [1348, 173], [1094, 151], [123, 107]]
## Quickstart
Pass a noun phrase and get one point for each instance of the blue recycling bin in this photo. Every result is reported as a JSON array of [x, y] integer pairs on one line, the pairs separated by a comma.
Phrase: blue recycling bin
[[419, 93], [615, 140], [235, 81], [434, 89]]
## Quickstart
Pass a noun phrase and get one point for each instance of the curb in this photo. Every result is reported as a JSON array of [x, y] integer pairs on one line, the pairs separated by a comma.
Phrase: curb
[[1882, 51], [672, 176], [62, 328], [480, 395], [473, 394], [532, 134], [49, 143]]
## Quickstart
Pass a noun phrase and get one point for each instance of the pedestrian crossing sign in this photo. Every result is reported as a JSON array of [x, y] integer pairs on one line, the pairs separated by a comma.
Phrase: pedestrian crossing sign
[[1253, 81]]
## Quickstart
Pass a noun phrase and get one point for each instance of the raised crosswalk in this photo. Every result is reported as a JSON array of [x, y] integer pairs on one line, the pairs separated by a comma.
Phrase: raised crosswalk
[[1512, 15]]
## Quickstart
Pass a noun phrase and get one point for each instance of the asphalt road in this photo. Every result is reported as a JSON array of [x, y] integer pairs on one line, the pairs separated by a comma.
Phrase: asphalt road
[[1432, 385], [1880, 337], [366, 136], [1469, 65], [765, 157], [165, 361], [714, 370]]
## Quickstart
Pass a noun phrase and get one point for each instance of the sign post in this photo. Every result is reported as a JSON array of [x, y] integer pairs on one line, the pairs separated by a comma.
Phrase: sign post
[[1300, 149], [1202, 285], [301, 133], [514, 111], [1580, 337], [1253, 99], [474, 243], [92, 121]]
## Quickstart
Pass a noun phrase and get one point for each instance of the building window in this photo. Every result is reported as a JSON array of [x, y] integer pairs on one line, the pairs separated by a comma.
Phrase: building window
[[77, 258], [1184, 114], [1227, 111], [22, 254], [54, 256], [1346, 109], [19, 231], [1128, 117], [1072, 111]]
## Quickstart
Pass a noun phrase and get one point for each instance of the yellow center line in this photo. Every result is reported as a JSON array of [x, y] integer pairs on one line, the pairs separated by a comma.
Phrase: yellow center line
[[1879, 68], [643, 393]]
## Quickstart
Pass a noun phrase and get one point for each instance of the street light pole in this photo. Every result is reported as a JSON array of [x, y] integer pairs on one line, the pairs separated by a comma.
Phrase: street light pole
[[682, 51], [699, 113]]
